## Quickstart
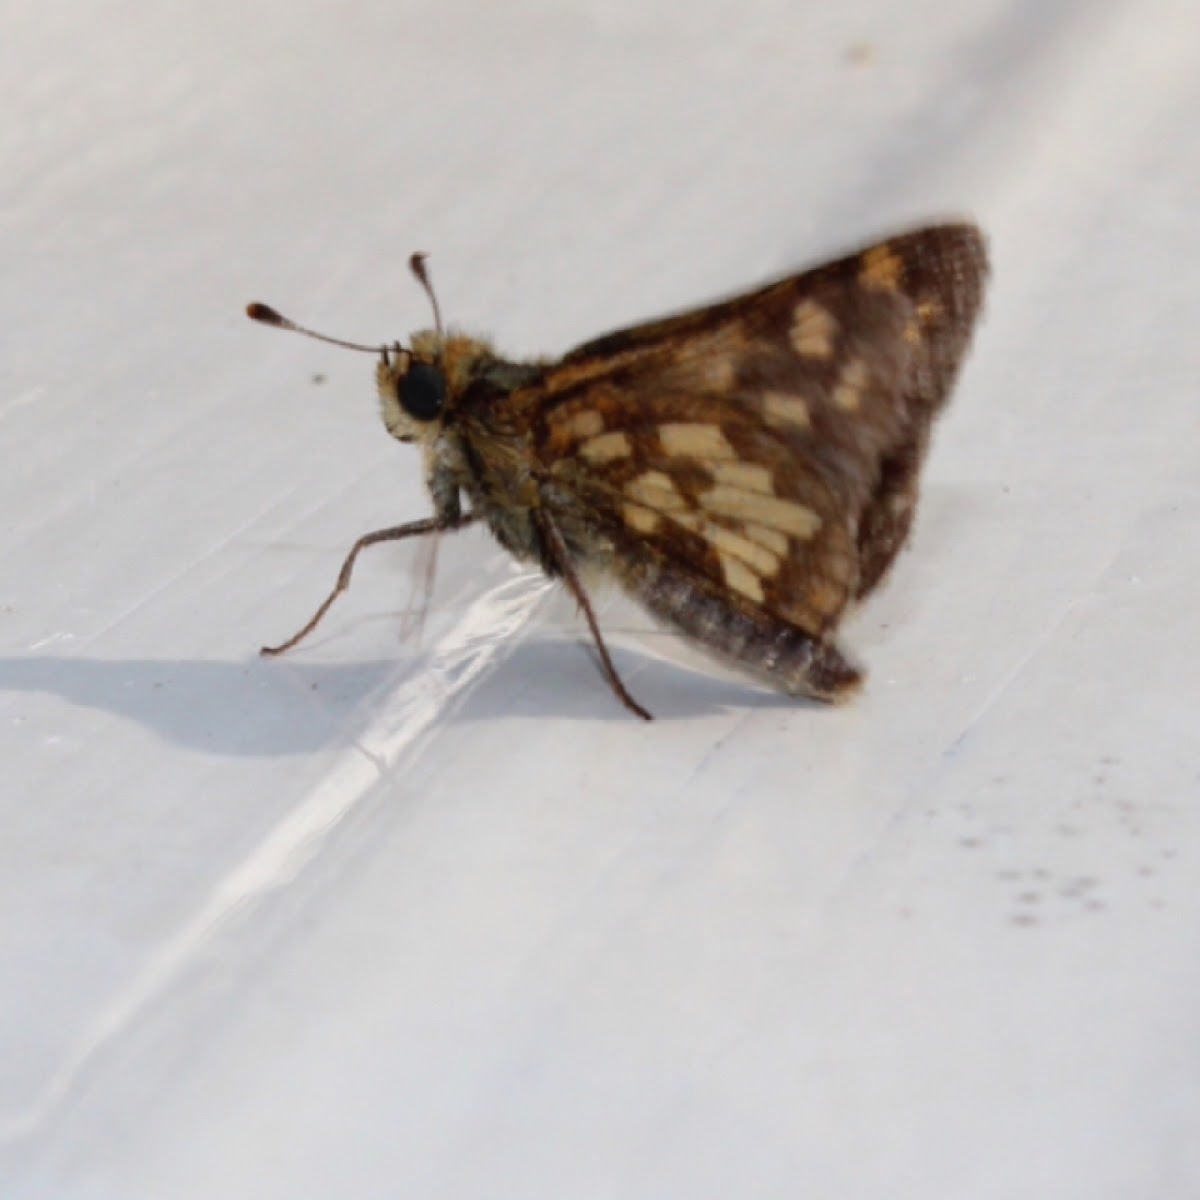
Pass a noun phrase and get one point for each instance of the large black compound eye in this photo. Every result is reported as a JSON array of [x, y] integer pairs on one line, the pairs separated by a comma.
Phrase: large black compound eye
[[422, 392]]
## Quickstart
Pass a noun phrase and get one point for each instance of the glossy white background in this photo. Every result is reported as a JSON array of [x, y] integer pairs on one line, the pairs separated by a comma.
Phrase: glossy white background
[[438, 918]]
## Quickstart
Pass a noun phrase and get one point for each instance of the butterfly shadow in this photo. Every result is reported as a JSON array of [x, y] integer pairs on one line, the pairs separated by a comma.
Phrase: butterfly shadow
[[249, 707], [553, 677]]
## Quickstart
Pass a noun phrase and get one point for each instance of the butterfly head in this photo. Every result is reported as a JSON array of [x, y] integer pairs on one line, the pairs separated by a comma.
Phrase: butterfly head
[[415, 383], [420, 385], [412, 391], [412, 385]]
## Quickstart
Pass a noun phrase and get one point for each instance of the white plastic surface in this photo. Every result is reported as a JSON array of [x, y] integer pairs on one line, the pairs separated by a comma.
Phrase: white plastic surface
[[389, 919]]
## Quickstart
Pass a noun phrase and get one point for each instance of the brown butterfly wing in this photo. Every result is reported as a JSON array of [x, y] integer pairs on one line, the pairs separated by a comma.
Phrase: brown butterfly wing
[[768, 446]]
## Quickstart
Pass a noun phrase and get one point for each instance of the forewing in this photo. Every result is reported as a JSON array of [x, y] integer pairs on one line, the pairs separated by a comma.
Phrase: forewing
[[746, 441]]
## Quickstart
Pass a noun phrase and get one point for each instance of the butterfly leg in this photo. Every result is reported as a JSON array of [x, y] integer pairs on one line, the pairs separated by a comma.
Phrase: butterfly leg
[[393, 534], [783, 654], [558, 559]]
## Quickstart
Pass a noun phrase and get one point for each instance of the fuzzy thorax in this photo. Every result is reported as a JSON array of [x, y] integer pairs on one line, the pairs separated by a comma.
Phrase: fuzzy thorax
[[461, 357]]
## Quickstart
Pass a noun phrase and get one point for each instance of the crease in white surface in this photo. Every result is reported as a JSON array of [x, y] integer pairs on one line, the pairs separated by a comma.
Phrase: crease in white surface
[[456, 662], [1046, 637], [19, 401]]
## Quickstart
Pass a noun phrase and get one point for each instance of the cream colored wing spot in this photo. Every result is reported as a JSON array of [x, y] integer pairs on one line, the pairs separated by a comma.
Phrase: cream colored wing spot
[[695, 441], [882, 269], [582, 425], [708, 360], [772, 539], [758, 558], [690, 520], [656, 490], [740, 578], [606, 447], [754, 552], [643, 520], [813, 327], [781, 410], [820, 603], [825, 598], [796, 520], [750, 477], [718, 374], [848, 391], [929, 312]]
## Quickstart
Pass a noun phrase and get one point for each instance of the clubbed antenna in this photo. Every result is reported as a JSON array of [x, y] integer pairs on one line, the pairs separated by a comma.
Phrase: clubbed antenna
[[417, 265], [266, 315]]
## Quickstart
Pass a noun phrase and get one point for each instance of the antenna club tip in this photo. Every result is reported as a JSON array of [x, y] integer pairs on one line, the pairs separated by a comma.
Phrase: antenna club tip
[[264, 313]]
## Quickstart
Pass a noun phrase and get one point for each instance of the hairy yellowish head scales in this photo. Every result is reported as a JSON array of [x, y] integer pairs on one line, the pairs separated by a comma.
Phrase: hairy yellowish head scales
[[454, 358]]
